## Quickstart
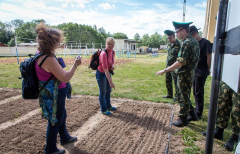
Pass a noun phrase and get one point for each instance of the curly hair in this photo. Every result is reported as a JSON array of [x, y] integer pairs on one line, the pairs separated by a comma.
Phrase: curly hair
[[48, 38]]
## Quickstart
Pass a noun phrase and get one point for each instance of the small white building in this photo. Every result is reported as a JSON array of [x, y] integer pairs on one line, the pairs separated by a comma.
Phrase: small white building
[[125, 45], [163, 47], [28, 44]]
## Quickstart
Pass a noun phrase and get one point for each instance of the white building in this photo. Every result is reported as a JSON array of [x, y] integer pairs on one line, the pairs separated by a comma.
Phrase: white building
[[125, 45]]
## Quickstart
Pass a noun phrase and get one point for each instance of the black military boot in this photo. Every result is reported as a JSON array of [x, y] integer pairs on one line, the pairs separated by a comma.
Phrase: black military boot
[[192, 116], [182, 121], [230, 144], [218, 133], [168, 96]]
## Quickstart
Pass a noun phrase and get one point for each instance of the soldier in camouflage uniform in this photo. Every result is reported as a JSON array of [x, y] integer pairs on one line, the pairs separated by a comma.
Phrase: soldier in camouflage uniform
[[228, 104], [172, 48], [187, 60]]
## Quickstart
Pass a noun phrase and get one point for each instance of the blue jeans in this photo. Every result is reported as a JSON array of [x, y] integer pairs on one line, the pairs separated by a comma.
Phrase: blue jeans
[[60, 125], [104, 91]]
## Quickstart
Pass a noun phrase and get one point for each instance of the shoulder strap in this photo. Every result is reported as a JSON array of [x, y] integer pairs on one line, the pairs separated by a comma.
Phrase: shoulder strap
[[107, 53], [113, 54], [40, 65], [37, 55], [46, 83]]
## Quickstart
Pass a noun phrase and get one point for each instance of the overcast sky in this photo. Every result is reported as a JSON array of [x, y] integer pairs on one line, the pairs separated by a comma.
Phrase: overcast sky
[[126, 16]]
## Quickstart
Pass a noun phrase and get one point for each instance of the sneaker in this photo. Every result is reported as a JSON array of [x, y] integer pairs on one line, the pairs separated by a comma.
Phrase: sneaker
[[231, 143], [106, 112], [112, 108]]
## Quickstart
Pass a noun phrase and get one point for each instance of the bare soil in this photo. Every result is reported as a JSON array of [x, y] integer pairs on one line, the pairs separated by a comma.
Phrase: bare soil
[[136, 127]]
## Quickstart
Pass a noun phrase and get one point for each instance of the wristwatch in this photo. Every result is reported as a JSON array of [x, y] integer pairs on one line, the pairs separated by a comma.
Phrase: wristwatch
[[165, 70]]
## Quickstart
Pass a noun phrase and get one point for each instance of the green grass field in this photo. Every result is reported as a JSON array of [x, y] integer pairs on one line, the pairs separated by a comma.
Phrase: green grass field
[[134, 80]]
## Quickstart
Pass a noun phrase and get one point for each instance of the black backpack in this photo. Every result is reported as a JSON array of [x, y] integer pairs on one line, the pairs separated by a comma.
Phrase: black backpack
[[30, 81], [94, 63]]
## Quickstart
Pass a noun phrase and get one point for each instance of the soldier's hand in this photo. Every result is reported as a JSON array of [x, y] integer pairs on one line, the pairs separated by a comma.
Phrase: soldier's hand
[[160, 72]]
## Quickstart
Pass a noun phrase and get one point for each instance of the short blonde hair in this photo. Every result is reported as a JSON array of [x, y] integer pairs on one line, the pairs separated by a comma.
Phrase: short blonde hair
[[110, 40]]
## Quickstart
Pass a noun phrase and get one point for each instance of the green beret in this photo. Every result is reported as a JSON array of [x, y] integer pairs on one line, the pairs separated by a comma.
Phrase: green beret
[[169, 32], [179, 25]]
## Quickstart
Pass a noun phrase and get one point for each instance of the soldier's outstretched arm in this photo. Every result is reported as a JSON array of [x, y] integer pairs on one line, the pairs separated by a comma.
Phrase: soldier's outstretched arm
[[174, 66]]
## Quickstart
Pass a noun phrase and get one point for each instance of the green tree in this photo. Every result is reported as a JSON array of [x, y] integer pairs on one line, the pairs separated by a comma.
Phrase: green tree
[[120, 36], [6, 32], [81, 34], [95, 27], [145, 40], [200, 33], [164, 40], [17, 23], [155, 40], [136, 37], [101, 30], [26, 31]]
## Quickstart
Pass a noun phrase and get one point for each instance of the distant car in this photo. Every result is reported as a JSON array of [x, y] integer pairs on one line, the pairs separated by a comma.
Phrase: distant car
[[149, 50]]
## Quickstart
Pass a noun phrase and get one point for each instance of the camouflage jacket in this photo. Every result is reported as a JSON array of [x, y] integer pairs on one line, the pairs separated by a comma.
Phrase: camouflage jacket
[[172, 53], [188, 55]]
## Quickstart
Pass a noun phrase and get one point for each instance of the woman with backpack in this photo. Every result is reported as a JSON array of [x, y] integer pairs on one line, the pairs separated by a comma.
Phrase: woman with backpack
[[104, 80], [52, 96]]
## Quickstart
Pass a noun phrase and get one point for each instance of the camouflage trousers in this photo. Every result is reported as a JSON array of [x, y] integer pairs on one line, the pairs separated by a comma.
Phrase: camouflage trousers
[[184, 83], [228, 105], [171, 76]]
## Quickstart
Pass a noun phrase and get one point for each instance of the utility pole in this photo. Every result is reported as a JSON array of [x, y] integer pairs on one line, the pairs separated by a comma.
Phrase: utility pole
[[184, 10]]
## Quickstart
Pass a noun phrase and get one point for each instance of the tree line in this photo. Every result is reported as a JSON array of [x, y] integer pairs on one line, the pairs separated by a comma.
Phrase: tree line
[[78, 33]]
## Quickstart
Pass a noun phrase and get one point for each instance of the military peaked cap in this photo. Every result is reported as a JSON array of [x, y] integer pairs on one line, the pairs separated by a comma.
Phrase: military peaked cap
[[179, 26], [169, 32]]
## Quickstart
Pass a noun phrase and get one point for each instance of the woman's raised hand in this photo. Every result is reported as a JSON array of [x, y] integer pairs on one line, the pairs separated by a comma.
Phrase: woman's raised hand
[[78, 60]]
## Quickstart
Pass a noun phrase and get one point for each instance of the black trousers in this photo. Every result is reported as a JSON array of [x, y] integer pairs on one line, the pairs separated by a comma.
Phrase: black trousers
[[198, 92]]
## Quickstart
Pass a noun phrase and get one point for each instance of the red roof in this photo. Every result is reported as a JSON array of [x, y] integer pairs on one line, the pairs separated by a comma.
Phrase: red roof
[[2, 45]]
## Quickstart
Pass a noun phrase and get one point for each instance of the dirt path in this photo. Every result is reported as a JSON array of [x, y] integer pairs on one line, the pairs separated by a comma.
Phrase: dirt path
[[136, 127]]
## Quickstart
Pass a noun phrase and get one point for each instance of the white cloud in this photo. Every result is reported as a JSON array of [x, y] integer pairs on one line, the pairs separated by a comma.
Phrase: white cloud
[[107, 6], [130, 3], [147, 21], [72, 5], [77, 1], [34, 5], [163, 7], [203, 5], [4, 15], [64, 5], [81, 5]]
